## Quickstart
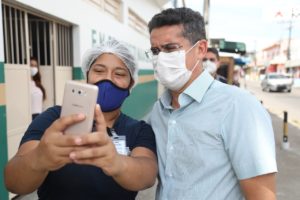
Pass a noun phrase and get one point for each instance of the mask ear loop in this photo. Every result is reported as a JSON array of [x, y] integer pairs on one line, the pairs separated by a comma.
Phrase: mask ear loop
[[192, 47], [195, 65], [198, 59]]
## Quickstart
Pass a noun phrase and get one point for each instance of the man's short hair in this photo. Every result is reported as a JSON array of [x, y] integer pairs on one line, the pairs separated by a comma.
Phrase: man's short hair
[[214, 51], [192, 22]]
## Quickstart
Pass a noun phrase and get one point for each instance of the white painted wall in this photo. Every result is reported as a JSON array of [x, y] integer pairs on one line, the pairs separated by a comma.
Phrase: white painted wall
[[18, 104], [144, 8], [87, 16], [62, 75], [47, 81]]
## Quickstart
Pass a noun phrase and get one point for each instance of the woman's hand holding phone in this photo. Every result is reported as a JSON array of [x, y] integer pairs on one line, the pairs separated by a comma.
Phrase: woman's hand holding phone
[[100, 150], [54, 147]]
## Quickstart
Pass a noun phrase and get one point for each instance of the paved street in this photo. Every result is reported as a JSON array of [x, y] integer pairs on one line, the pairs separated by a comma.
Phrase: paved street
[[277, 102]]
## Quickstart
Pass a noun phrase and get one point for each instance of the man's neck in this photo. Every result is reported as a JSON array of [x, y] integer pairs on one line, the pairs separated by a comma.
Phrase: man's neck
[[175, 94]]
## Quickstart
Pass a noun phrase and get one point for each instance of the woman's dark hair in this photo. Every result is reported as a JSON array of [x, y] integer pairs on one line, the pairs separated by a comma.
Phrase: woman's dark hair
[[192, 22], [37, 78]]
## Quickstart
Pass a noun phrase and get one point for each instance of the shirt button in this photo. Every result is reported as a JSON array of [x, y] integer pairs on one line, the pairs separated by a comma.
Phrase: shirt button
[[171, 148], [173, 122]]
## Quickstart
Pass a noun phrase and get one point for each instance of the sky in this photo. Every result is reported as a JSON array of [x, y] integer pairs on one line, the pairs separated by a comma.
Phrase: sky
[[249, 21]]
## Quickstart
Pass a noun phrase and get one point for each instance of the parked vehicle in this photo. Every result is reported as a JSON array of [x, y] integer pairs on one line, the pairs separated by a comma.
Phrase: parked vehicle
[[277, 82]]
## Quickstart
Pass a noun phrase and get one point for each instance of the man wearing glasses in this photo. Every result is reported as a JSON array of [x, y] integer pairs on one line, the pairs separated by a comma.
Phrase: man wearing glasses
[[214, 141], [211, 63]]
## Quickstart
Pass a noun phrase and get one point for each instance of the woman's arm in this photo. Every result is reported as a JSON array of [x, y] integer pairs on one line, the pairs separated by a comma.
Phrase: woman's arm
[[26, 171]]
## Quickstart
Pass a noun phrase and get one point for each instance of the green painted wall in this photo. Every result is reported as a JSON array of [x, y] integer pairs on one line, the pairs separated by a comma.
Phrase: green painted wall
[[3, 151], [141, 100], [3, 140], [146, 72], [2, 72], [77, 73]]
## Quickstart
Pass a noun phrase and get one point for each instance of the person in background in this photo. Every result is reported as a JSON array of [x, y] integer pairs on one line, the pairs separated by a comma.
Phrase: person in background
[[88, 166], [211, 63], [38, 92], [236, 75], [214, 141]]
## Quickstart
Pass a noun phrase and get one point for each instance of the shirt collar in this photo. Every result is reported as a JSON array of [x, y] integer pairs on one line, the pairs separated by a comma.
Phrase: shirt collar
[[196, 90], [199, 86], [166, 99]]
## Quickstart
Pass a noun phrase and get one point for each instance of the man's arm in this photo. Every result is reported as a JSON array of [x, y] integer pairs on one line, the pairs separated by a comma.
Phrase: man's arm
[[260, 187]]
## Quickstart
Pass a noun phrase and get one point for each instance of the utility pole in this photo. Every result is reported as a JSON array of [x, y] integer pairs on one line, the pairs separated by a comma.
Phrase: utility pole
[[289, 40], [206, 17], [295, 14], [175, 3]]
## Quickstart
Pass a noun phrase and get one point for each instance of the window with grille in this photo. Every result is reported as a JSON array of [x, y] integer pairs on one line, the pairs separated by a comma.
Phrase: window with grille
[[112, 7], [14, 35], [64, 45], [39, 39], [99, 3], [137, 23]]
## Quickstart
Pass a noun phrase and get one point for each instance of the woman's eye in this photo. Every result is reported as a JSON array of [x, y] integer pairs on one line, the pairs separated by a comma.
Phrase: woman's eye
[[99, 71], [120, 74]]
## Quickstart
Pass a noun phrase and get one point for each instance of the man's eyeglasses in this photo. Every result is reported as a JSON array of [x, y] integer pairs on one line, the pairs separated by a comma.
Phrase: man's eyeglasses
[[167, 48], [210, 59]]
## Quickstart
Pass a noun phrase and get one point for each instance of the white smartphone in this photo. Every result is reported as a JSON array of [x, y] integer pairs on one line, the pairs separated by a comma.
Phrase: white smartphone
[[79, 98]]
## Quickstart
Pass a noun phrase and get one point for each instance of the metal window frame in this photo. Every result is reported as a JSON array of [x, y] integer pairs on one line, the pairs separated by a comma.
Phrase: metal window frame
[[17, 44]]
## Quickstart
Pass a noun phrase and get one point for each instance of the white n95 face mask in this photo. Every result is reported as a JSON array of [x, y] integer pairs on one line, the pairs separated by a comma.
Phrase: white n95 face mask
[[170, 69], [209, 66], [33, 71]]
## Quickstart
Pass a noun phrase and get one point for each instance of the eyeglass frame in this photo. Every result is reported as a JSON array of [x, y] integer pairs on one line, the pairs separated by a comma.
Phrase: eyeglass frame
[[163, 48]]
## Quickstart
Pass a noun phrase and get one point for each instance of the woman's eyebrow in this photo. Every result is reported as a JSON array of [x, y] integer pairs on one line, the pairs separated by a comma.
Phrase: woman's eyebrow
[[121, 68], [99, 65]]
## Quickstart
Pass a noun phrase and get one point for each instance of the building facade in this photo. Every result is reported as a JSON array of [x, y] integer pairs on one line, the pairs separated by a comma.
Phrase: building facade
[[274, 59], [58, 34]]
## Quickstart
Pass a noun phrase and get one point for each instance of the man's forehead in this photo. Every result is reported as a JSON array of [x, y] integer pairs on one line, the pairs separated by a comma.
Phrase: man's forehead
[[165, 35]]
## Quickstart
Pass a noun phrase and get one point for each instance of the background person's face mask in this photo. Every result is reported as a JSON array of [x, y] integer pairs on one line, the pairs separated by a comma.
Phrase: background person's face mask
[[33, 71], [170, 69], [209, 66], [110, 96]]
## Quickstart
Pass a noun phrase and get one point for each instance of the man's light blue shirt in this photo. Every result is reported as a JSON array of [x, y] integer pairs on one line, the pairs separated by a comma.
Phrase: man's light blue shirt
[[219, 135]]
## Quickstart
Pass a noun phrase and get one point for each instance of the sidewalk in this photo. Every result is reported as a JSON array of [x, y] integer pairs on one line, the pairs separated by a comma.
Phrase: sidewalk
[[288, 161]]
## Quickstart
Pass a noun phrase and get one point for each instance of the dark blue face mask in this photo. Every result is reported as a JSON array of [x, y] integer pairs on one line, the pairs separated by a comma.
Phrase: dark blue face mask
[[110, 96]]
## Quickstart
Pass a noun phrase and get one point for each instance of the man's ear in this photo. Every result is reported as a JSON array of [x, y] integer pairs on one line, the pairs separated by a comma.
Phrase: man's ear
[[202, 49]]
